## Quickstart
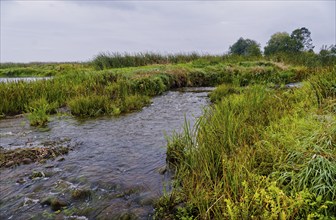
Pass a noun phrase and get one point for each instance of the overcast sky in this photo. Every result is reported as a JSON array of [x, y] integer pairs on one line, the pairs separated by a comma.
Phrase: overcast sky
[[43, 30]]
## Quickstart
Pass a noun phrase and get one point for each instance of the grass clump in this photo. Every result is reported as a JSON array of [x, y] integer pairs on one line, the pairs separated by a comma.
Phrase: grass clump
[[89, 106], [39, 110], [134, 102], [223, 91]]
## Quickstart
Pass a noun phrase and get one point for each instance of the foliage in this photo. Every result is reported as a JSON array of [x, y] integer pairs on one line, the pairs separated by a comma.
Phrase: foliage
[[282, 42], [39, 110], [302, 39], [245, 47], [38, 117], [279, 42]]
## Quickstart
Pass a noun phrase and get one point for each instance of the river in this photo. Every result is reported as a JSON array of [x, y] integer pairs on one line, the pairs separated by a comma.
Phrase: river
[[119, 160], [25, 79]]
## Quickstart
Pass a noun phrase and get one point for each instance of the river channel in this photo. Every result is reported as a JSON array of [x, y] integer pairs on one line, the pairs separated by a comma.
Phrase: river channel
[[119, 160]]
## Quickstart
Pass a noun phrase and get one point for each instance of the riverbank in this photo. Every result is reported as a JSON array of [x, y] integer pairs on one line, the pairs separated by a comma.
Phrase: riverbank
[[259, 152], [90, 93]]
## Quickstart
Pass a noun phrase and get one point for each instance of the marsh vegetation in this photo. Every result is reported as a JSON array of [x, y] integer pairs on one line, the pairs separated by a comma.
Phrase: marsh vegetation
[[262, 150]]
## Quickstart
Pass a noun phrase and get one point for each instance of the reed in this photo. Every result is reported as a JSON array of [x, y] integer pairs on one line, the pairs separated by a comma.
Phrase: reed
[[118, 60]]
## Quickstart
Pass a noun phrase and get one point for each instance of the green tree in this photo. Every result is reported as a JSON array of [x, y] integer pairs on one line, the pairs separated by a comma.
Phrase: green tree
[[245, 47], [302, 40], [280, 42]]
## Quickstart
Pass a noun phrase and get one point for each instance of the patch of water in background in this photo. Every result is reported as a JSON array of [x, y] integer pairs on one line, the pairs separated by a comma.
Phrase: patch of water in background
[[117, 158], [26, 79]]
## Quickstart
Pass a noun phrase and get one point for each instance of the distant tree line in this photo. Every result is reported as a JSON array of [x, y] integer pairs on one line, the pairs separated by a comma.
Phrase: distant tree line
[[295, 48], [298, 42]]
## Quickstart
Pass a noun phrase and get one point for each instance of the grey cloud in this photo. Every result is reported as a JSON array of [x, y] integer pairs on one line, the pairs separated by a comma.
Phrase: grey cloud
[[78, 30], [121, 5]]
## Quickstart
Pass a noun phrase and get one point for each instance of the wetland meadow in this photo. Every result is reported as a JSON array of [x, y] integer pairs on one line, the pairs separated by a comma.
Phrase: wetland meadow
[[180, 136]]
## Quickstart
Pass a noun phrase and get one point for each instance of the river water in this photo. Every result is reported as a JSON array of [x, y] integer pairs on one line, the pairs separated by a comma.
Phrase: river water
[[118, 159], [26, 79]]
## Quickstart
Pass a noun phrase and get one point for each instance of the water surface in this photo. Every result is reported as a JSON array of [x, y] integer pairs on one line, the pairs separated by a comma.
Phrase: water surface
[[26, 79], [117, 158]]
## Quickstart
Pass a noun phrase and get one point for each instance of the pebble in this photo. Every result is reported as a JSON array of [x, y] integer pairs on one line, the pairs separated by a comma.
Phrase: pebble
[[26, 161], [10, 163], [61, 159], [21, 181], [162, 170]]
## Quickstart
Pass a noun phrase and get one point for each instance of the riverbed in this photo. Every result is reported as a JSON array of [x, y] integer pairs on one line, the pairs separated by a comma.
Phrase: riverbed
[[118, 162]]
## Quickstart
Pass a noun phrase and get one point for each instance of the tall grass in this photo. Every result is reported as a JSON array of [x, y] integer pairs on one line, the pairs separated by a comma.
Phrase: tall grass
[[259, 153], [149, 81], [118, 60], [308, 59], [90, 93]]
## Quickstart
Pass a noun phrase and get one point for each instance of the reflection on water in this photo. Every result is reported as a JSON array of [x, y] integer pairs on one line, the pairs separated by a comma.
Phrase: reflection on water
[[116, 160]]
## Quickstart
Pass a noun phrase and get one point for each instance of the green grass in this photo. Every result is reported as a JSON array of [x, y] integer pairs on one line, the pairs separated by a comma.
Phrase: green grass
[[78, 87], [259, 153], [118, 60]]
